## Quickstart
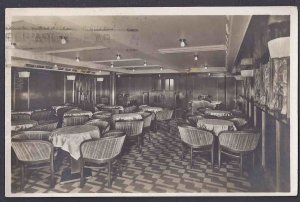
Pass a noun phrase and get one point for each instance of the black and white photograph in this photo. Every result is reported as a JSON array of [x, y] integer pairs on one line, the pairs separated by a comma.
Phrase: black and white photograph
[[165, 101]]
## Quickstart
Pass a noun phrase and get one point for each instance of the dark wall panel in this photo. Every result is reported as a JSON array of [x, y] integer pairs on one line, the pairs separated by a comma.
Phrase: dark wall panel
[[46, 89]]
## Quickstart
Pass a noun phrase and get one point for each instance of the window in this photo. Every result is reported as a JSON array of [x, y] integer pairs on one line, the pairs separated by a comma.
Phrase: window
[[169, 84]]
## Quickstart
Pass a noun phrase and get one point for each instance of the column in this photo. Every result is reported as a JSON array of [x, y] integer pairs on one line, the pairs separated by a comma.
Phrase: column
[[112, 88], [254, 116], [278, 152], [263, 139], [65, 92]]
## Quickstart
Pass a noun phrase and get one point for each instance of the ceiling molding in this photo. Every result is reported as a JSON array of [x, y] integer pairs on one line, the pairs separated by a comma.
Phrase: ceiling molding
[[46, 58], [22, 64], [75, 49], [193, 49]]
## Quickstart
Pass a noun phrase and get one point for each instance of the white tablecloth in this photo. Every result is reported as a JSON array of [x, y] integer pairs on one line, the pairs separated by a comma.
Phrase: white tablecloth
[[151, 109], [78, 112], [69, 138], [127, 116], [216, 125], [21, 112], [18, 125], [218, 113]]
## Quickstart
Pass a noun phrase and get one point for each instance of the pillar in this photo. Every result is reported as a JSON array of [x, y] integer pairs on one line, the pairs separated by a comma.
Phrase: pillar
[[112, 88], [263, 139]]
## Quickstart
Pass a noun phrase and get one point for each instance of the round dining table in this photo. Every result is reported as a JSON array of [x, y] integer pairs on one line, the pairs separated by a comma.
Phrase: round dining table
[[18, 125], [69, 139], [216, 125]]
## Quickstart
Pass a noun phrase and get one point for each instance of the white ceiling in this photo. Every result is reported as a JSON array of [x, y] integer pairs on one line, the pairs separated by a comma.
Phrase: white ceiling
[[98, 38]]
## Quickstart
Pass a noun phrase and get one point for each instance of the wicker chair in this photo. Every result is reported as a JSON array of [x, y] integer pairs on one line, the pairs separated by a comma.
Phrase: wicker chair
[[41, 115], [32, 135], [239, 122], [133, 130], [237, 144], [147, 117], [163, 117], [74, 120], [16, 117], [193, 119], [34, 153], [197, 141], [46, 126], [103, 115], [96, 153], [130, 109], [179, 113], [102, 125]]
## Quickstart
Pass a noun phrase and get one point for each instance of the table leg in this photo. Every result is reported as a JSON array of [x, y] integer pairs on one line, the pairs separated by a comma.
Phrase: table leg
[[73, 174], [75, 165]]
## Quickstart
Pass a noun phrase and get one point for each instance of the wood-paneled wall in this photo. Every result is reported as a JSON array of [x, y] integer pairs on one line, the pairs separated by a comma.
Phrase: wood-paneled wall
[[190, 86]]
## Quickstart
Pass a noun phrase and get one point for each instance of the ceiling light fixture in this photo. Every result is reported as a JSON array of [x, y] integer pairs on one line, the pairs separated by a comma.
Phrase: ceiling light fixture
[[112, 65], [195, 57], [205, 67], [145, 63], [63, 40], [118, 57], [77, 59], [182, 42]]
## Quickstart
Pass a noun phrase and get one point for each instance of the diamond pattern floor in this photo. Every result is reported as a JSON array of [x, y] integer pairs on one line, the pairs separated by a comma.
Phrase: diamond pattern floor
[[158, 169]]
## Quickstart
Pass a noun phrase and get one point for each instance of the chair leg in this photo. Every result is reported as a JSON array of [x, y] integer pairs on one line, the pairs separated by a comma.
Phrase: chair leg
[[52, 174], [149, 136], [22, 175], [219, 157], [109, 174], [182, 152], [253, 160], [120, 167], [191, 157], [241, 164], [82, 174], [139, 144], [212, 157]]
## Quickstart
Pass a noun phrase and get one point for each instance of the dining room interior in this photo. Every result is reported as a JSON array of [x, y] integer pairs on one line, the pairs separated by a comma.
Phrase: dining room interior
[[150, 104]]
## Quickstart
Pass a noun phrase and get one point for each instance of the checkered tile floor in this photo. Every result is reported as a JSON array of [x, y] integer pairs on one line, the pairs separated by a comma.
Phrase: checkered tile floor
[[158, 169]]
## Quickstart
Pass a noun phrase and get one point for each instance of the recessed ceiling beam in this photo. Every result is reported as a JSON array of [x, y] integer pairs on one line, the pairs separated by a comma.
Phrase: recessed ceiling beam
[[75, 49], [193, 49], [121, 60]]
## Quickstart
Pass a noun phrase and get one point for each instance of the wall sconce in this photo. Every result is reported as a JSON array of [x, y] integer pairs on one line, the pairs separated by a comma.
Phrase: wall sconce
[[71, 77], [247, 73], [239, 78], [100, 79], [24, 74], [279, 47], [247, 61]]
